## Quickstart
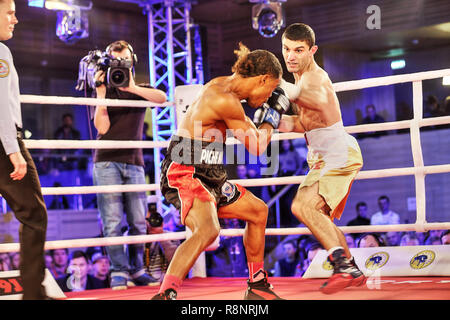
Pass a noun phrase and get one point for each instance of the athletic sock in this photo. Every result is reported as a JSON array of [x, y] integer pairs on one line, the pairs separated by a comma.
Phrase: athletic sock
[[170, 282], [330, 252], [256, 271]]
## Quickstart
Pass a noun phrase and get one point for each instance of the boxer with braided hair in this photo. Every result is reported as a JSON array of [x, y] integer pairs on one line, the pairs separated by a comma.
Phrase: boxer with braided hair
[[194, 179]]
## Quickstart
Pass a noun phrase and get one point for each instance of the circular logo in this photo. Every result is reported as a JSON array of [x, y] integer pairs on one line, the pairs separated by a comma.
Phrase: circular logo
[[377, 260], [4, 69], [326, 265], [228, 190], [422, 259]]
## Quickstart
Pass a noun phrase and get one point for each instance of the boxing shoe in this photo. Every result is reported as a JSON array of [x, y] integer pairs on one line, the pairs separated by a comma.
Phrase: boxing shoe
[[345, 273], [169, 294], [260, 290]]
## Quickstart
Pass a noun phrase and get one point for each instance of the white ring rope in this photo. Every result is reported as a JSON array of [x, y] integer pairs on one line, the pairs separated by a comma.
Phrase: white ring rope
[[419, 170], [259, 182], [34, 99]]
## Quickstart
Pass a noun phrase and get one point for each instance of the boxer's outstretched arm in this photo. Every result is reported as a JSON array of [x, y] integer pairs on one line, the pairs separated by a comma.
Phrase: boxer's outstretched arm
[[242, 127], [291, 124]]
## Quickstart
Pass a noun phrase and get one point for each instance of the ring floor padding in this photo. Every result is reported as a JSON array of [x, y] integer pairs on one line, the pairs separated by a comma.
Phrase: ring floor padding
[[385, 288]]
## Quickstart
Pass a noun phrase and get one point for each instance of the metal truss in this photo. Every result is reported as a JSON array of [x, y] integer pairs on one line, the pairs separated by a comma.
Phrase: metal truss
[[170, 62]]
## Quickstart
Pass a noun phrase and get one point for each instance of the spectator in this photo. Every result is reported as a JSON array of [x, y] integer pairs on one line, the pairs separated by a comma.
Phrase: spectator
[[241, 171], [48, 260], [15, 260], [404, 112], [290, 164], [372, 117], [432, 241], [361, 218], [303, 243], [79, 278], [60, 262], [100, 268], [172, 221], [422, 236], [447, 106], [393, 238], [369, 240], [289, 159], [445, 237], [67, 132], [361, 215], [229, 259], [385, 215], [432, 107], [350, 240], [286, 267], [124, 166], [409, 239], [312, 248], [59, 201], [252, 173], [435, 233], [5, 262]]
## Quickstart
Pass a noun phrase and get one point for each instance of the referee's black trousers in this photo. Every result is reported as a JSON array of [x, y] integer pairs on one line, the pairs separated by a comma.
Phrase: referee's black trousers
[[25, 199]]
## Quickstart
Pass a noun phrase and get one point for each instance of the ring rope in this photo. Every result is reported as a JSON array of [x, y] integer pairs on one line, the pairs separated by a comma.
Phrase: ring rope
[[419, 170], [124, 144], [35, 99], [122, 240], [258, 182]]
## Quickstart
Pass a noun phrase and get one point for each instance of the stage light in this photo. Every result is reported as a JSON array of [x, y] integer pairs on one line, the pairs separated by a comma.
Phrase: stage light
[[398, 64], [267, 17], [72, 25], [58, 5], [36, 3], [61, 4]]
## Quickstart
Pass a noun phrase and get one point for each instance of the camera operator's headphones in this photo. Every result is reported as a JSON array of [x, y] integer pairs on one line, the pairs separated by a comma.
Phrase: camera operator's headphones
[[128, 46]]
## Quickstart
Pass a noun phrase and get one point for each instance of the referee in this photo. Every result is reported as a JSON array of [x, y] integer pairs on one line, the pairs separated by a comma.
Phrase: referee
[[19, 181]]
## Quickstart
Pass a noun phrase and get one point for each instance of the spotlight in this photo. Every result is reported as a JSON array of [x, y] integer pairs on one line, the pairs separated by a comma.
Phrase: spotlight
[[60, 4], [267, 17], [72, 22], [72, 25], [398, 64]]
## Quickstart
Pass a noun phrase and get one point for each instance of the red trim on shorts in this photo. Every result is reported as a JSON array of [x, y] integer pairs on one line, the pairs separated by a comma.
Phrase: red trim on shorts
[[181, 177], [241, 189]]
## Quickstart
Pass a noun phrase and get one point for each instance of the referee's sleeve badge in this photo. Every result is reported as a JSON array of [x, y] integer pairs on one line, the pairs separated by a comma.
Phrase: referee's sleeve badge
[[4, 69]]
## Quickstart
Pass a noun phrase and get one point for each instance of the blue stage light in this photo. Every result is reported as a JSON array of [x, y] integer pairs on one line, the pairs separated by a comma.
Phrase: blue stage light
[[36, 3], [398, 64]]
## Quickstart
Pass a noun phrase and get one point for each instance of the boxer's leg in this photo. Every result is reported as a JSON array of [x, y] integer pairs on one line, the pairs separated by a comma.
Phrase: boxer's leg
[[204, 224], [254, 211], [311, 209]]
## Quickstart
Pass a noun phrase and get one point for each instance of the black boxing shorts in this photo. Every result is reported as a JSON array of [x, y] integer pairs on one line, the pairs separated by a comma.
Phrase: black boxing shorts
[[194, 169]]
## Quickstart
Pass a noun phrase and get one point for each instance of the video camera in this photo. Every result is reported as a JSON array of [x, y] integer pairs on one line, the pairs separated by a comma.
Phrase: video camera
[[155, 219], [117, 71]]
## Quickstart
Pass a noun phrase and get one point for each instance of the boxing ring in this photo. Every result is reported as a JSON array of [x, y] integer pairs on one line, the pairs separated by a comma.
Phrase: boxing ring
[[199, 288]]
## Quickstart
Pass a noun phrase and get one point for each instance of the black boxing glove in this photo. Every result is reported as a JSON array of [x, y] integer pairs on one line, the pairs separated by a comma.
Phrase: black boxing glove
[[265, 114], [279, 101]]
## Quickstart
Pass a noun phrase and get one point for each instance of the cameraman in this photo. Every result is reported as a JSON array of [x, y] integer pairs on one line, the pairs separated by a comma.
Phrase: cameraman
[[122, 166]]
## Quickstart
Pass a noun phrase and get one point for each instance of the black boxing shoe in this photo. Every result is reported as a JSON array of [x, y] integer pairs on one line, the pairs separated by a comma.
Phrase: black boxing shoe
[[345, 273], [169, 294], [260, 290]]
